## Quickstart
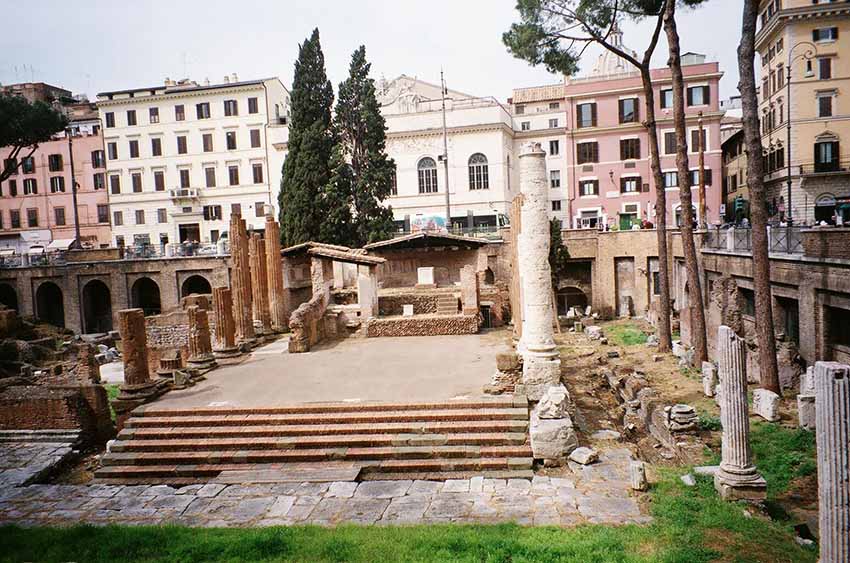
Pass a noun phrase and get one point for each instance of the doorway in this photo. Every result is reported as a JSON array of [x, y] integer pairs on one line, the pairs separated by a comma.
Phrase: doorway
[[97, 307]]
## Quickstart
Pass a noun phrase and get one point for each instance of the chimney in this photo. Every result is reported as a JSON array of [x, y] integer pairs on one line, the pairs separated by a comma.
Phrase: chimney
[[233, 78], [226, 79]]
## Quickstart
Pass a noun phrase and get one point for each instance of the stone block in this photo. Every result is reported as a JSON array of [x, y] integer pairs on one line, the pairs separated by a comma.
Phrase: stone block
[[407, 310], [807, 382], [637, 475], [552, 439], [709, 378], [766, 404], [806, 411], [425, 276], [593, 332], [553, 403], [584, 455], [508, 361]]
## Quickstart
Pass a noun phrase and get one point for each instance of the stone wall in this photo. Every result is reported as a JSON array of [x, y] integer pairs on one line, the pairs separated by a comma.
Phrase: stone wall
[[400, 269], [423, 303], [827, 242], [424, 325], [307, 324]]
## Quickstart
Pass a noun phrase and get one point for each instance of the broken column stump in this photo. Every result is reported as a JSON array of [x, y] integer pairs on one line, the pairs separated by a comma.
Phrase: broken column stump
[[225, 328], [138, 388]]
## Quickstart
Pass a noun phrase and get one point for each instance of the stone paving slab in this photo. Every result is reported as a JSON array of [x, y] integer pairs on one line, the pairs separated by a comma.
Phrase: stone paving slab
[[594, 494], [25, 462]]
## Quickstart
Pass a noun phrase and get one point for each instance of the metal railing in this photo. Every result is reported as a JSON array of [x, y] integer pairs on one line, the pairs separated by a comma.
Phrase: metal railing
[[785, 239], [788, 240]]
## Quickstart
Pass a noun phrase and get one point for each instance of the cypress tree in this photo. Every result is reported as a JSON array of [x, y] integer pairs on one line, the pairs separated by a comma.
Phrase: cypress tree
[[361, 132], [307, 169]]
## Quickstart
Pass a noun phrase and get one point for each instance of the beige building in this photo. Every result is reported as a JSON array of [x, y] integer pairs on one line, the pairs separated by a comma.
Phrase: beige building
[[808, 39]]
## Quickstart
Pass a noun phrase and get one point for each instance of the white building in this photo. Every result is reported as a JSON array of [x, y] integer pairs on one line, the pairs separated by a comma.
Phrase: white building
[[181, 156]]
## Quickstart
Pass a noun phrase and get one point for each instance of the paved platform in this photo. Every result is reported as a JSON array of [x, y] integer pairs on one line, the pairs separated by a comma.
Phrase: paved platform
[[598, 493], [428, 368]]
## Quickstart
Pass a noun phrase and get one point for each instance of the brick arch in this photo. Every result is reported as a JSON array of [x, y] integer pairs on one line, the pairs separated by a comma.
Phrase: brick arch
[[145, 294], [9, 296], [96, 305], [195, 283], [50, 303]]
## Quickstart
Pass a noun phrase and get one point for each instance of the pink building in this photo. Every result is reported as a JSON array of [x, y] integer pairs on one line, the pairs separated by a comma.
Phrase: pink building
[[36, 205], [610, 181]]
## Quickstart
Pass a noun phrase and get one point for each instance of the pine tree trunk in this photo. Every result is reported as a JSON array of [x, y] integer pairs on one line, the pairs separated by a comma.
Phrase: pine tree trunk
[[665, 339], [769, 372], [695, 302]]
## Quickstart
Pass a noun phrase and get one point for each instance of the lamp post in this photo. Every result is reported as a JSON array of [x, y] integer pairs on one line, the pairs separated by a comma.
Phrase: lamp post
[[806, 55], [77, 242]]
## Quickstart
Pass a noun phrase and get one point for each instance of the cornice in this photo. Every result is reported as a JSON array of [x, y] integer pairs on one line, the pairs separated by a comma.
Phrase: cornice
[[177, 95], [789, 15], [638, 88], [436, 131]]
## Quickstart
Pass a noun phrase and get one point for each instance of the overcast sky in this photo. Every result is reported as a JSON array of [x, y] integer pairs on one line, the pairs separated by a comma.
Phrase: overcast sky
[[98, 45]]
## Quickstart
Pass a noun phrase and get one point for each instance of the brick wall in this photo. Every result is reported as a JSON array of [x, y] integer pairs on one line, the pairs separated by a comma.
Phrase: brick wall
[[423, 303], [827, 243], [425, 325]]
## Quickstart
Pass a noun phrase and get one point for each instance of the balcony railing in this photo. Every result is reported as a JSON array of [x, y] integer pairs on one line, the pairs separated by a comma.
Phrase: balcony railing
[[173, 250], [786, 240], [184, 193]]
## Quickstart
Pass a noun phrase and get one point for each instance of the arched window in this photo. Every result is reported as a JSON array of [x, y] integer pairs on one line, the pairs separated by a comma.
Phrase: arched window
[[427, 175], [479, 176]]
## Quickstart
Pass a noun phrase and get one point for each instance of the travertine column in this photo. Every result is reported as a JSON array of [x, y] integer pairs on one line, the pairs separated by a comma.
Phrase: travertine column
[[241, 281], [225, 331], [737, 477], [277, 297], [469, 290], [259, 282], [200, 346], [541, 361], [137, 387], [832, 383]]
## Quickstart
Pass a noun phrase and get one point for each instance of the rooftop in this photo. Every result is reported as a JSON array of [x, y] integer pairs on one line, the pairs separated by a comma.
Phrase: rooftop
[[185, 85]]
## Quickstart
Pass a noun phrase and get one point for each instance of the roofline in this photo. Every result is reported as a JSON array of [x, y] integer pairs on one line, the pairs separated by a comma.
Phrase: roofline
[[424, 234], [190, 89]]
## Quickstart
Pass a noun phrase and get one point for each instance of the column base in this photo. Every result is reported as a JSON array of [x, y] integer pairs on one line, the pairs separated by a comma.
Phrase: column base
[[202, 363], [539, 372], [749, 485], [232, 352]]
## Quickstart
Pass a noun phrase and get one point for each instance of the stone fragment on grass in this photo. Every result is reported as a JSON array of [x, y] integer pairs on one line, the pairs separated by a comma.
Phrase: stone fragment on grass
[[593, 332], [688, 480], [637, 473], [584, 455], [766, 404], [554, 402]]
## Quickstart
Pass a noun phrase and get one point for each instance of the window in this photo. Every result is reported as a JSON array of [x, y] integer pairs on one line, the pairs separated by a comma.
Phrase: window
[[479, 173], [156, 146], [630, 185], [587, 152], [99, 180], [230, 136], [520, 109], [102, 213], [236, 209], [11, 165], [554, 178], [159, 180], [15, 218], [233, 175], [257, 170], [134, 149], [253, 107], [553, 123], [671, 179], [556, 205], [136, 180], [230, 108], [586, 115], [212, 212], [208, 142], [117, 218], [748, 298], [161, 215], [255, 138], [554, 148], [181, 144], [13, 188], [695, 177], [57, 184], [54, 162], [824, 68], [153, 115], [826, 156], [666, 99], [112, 149], [203, 110], [115, 184], [209, 175], [670, 142], [184, 178], [179, 113], [825, 105], [131, 117], [140, 216], [629, 110], [110, 119], [695, 140], [259, 209], [588, 187], [825, 34], [98, 160], [525, 126], [30, 186], [427, 169], [554, 105], [698, 96], [629, 149], [59, 215], [32, 217], [28, 165]]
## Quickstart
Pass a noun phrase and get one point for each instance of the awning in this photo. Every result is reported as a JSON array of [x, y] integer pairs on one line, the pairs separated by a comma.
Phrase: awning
[[61, 244], [7, 251]]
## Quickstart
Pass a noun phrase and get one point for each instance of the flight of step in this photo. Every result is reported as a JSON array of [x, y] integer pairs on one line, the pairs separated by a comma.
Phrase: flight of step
[[447, 304]]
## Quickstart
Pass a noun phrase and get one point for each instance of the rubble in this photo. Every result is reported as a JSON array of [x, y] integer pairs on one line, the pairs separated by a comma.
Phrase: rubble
[[681, 418], [584, 455], [593, 332]]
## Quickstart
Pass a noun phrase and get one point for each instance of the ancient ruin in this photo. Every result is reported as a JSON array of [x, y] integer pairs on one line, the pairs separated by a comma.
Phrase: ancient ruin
[[138, 387], [259, 285], [200, 345], [243, 312], [277, 297], [225, 329]]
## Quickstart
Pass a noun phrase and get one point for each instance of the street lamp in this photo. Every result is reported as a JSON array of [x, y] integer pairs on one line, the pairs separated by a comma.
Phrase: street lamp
[[69, 132], [808, 55]]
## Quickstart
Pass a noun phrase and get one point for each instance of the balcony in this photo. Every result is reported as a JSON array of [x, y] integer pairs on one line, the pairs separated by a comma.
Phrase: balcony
[[182, 194]]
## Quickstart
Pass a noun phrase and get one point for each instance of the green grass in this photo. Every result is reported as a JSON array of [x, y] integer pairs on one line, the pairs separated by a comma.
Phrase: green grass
[[708, 421], [625, 334], [112, 390], [782, 455]]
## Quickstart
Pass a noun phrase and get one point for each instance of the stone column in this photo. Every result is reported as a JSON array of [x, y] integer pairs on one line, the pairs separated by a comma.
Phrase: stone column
[[241, 282], [200, 346], [541, 361], [137, 387], [737, 477], [469, 290], [832, 383], [225, 329], [259, 283], [367, 291], [277, 300]]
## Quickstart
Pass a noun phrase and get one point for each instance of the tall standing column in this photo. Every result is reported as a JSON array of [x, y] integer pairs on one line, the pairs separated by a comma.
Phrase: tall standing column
[[737, 477], [200, 346], [259, 282], [241, 281], [225, 329], [541, 361], [137, 387], [832, 384], [277, 297]]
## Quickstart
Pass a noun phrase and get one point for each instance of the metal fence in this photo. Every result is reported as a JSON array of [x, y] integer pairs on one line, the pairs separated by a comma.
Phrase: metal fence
[[786, 239]]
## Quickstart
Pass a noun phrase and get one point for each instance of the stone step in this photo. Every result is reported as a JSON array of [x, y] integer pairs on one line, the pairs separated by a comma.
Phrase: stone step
[[444, 475], [413, 453], [330, 418], [154, 410], [139, 444], [271, 431], [448, 465]]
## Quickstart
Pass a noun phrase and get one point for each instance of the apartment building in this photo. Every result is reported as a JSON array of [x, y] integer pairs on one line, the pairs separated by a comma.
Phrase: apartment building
[[804, 66], [182, 156]]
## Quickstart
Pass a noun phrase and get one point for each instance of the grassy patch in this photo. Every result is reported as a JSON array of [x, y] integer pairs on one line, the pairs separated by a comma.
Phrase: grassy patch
[[708, 421], [782, 455], [625, 334], [112, 390]]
